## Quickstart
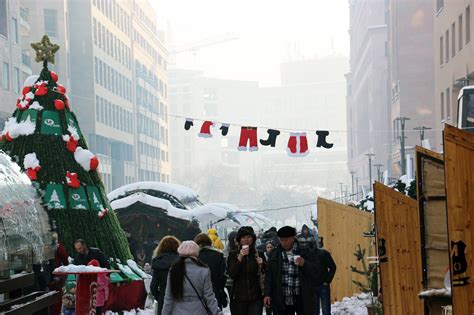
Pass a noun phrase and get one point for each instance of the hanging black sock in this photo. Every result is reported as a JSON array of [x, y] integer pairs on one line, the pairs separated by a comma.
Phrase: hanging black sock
[[272, 136], [322, 134], [188, 124]]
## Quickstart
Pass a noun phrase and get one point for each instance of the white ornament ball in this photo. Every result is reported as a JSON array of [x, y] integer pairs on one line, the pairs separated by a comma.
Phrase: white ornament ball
[[30, 81]]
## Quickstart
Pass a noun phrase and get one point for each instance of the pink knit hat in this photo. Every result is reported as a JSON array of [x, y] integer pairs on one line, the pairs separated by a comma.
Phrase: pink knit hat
[[188, 249]]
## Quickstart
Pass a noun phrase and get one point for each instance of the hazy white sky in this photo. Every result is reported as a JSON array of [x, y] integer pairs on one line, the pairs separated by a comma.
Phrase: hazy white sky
[[269, 31]]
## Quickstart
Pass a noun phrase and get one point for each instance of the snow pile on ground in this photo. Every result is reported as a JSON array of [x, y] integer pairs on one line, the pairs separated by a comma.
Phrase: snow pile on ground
[[79, 268], [355, 305]]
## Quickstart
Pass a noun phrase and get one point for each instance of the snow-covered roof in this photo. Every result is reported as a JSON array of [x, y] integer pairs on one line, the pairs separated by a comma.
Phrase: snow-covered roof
[[151, 201], [212, 212], [179, 191]]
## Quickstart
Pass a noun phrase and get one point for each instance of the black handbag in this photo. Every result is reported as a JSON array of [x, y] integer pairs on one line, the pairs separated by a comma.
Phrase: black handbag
[[200, 298]]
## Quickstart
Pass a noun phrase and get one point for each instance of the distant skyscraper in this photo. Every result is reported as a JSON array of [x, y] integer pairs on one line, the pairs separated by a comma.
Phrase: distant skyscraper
[[119, 87], [368, 105]]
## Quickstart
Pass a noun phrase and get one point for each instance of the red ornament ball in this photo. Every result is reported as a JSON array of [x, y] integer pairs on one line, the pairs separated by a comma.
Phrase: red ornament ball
[[26, 90], [42, 90], [61, 89], [58, 104], [54, 76], [94, 163], [7, 136], [31, 173]]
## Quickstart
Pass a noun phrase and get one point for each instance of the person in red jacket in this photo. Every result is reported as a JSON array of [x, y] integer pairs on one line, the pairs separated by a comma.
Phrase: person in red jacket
[[60, 259]]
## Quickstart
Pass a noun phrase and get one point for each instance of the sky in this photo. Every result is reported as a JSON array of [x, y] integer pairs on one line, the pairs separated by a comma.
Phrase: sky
[[269, 32]]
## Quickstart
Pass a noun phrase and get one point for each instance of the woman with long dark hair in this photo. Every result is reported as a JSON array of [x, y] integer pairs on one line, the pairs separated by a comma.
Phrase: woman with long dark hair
[[164, 256], [189, 287], [245, 266]]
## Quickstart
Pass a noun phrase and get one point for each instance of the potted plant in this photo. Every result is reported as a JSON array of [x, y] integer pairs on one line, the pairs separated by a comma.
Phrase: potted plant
[[370, 286]]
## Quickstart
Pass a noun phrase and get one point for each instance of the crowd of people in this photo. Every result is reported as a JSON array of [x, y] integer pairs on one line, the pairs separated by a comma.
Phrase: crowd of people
[[279, 272]]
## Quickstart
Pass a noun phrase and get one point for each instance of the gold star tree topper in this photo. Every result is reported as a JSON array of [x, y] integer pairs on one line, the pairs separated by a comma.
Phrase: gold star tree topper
[[45, 50]]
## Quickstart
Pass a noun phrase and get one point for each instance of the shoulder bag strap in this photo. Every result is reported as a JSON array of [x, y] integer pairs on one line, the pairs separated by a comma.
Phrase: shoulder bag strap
[[200, 298]]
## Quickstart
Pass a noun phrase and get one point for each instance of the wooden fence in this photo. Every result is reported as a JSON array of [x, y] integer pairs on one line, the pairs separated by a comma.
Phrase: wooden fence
[[434, 226], [398, 238], [342, 229], [459, 164]]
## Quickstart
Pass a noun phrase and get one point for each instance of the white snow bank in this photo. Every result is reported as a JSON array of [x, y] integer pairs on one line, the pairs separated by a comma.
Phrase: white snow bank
[[79, 268], [151, 201], [355, 305], [18, 129], [435, 292], [132, 264], [180, 192]]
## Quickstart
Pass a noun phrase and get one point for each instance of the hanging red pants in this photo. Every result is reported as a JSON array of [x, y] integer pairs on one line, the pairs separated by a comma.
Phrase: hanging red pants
[[248, 135]]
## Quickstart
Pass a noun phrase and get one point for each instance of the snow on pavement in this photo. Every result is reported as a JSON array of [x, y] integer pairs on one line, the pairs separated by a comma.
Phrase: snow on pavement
[[355, 305]]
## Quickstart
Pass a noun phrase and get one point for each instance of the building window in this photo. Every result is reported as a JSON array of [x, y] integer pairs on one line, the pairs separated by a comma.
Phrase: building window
[[15, 30], [447, 46], [16, 79], [439, 5], [448, 103], [441, 50], [453, 39], [460, 31], [6, 76], [3, 18], [51, 22], [442, 106], [468, 24]]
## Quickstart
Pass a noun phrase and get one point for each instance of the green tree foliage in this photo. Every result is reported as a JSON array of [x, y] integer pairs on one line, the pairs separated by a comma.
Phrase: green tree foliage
[[44, 138]]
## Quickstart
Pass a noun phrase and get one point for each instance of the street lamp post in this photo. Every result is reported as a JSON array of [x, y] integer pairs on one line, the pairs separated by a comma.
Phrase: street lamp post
[[402, 143], [352, 181], [357, 187], [422, 132], [378, 166], [370, 155]]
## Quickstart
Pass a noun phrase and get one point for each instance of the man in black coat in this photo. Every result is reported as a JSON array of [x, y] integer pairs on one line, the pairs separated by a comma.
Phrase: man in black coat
[[291, 277], [214, 259], [85, 254], [323, 292]]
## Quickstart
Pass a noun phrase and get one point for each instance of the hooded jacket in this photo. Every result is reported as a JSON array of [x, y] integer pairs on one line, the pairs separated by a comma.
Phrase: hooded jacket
[[307, 240], [161, 265], [216, 241]]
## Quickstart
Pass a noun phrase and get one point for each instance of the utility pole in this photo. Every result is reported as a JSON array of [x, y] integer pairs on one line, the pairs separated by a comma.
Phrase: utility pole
[[370, 155], [378, 166], [422, 132], [402, 143]]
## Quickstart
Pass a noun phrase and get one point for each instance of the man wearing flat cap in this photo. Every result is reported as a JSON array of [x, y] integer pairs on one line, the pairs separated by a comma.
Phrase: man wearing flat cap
[[292, 275]]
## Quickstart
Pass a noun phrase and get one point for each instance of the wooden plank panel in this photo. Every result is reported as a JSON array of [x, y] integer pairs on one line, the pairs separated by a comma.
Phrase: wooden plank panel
[[398, 238], [342, 228], [432, 206], [459, 168]]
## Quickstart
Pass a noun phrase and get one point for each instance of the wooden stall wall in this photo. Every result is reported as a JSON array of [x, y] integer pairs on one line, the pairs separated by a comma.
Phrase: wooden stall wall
[[434, 227], [459, 171], [342, 229], [398, 238]]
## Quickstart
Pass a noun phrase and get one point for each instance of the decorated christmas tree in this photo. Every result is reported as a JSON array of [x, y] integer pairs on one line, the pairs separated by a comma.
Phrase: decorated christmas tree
[[44, 138]]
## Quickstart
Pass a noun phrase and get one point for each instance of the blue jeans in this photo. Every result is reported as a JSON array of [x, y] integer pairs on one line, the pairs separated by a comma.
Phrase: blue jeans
[[323, 294], [69, 311]]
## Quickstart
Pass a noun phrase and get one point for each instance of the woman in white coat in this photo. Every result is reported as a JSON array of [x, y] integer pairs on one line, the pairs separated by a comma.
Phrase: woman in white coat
[[189, 287]]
